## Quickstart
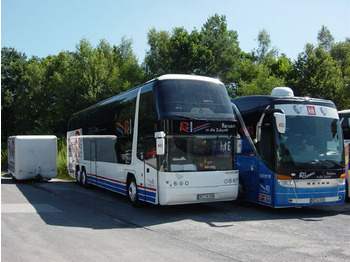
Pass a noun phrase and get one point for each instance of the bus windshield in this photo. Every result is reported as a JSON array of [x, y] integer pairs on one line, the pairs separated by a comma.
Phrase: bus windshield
[[310, 142], [198, 153], [191, 99]]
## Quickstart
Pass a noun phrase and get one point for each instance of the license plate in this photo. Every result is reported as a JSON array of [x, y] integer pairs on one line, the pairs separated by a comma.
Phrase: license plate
[[318, 200], [205, 196]]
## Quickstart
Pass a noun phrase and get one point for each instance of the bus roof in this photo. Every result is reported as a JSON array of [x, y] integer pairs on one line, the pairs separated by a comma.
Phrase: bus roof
[[345, 112], [188, 77], [249, 103]]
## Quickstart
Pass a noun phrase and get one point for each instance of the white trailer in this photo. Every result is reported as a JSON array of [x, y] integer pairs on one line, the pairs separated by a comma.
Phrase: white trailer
[[32, 157]]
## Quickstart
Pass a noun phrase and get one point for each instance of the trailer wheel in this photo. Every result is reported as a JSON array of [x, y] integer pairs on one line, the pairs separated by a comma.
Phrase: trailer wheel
[[132, 192]]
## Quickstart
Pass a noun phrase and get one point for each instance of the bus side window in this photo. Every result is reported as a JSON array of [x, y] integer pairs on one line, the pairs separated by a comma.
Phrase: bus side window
[[106, 150], [150, 152], [123, 149]]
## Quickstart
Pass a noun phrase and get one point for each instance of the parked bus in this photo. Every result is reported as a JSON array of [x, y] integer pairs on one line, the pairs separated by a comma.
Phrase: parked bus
[[169, 141], [345, 124], [292, 150]]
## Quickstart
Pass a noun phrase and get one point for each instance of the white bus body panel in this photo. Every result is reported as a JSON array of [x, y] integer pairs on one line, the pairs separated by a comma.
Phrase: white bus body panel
[[30, 156], [210, 186]]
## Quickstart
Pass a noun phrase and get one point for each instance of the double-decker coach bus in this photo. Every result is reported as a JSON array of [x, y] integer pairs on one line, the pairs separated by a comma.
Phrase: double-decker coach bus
[[292, 150], [168, 141], [345, 124]]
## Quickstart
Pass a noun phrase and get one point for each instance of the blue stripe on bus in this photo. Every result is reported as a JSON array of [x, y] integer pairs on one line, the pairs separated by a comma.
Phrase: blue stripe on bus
[[107, 184], [144, 194]]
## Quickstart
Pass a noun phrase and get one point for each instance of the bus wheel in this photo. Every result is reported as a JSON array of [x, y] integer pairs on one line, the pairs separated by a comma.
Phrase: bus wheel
[[77, 176], [132, 192], [83, 178], [241, 192]]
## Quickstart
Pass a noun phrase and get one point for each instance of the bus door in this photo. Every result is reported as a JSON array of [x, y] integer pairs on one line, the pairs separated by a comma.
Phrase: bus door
[[150, 171], [265, 184], [247, 165], [265, 147]]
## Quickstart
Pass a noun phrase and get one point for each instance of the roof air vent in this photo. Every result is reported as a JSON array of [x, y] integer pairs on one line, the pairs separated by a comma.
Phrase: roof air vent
[[282, 91]]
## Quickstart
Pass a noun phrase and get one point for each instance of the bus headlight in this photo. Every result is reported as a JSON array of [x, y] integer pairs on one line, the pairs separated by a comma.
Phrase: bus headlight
[[285, 181], [341, 180]]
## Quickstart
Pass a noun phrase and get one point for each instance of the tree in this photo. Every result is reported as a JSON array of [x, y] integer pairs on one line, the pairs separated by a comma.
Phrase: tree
[[13, 67], [39, 95], [325, 38], [316, 74], [157, 58], [224, 47], [214, 51], [257, 79], [262, 70], [264, 50], [340, 52]]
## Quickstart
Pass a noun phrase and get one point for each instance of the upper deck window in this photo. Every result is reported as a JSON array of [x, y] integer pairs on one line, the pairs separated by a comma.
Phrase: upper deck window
[[193, 99]]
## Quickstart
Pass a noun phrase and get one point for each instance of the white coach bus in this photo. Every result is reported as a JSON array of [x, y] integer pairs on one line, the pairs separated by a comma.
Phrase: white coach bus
[[169, 141]]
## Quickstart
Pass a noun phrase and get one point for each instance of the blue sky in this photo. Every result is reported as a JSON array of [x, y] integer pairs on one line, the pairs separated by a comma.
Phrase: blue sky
[[46, 27]]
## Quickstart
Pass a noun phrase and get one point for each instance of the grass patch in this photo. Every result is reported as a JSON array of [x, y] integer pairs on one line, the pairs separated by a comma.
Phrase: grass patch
[[62, 172]]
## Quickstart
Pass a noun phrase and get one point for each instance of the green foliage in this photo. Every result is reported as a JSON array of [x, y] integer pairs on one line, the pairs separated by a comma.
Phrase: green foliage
[[264, 50], [214, 51], [4, 156], [39, 95], [323, 71], [62, 171]]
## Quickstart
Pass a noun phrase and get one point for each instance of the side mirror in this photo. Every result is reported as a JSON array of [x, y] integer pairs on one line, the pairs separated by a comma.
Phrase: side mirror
[[280, 119], [160, 143]]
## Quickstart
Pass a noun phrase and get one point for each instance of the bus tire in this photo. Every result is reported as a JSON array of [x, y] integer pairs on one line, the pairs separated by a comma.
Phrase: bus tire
[[132, 192], [240, 200], [77, 176], [83, 178]]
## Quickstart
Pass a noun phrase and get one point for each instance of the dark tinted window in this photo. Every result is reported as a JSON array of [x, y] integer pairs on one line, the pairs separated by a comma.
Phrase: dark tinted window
[[345, 124], [193, 99]]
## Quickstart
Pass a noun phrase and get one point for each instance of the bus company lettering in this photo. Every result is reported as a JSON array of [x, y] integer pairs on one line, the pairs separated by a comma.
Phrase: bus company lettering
[[190, 127]]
